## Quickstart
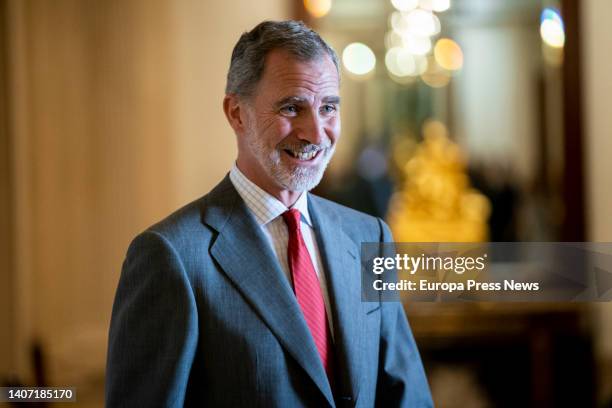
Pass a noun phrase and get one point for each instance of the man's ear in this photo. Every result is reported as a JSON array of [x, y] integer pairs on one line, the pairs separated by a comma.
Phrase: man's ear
[[235, 113]]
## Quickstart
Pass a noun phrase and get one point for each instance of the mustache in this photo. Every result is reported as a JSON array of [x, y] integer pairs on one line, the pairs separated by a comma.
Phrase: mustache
[[304, 147]]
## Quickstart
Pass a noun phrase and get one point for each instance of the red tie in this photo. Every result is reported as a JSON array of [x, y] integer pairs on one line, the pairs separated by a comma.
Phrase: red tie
[[308, 290]]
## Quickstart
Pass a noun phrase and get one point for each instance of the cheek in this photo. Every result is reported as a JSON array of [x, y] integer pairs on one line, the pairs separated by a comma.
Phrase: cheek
[[277, 130], [333, 129]]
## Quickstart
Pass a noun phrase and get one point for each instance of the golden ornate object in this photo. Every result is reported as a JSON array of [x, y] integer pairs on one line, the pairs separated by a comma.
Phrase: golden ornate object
[[437, 203]]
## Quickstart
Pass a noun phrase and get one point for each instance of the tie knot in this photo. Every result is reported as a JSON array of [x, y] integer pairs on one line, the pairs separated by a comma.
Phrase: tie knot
[[292, 218]]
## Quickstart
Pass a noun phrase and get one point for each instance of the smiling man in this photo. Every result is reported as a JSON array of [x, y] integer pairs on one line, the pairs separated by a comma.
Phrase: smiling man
[[251, 295]]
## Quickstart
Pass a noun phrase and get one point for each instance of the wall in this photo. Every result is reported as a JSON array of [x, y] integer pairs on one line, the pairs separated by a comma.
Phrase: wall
[[597, 66], [6, 250], [116, 120]]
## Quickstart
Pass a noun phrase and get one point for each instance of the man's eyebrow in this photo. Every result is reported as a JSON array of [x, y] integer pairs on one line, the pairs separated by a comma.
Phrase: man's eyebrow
[[332, 99], [298, 100], [290, 100]]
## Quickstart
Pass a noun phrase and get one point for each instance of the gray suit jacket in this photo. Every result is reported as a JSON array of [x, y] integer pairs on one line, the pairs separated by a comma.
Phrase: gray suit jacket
[[204, 316]]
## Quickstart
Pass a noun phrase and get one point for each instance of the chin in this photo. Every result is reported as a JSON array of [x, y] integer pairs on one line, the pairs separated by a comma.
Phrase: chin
[[299, 179]]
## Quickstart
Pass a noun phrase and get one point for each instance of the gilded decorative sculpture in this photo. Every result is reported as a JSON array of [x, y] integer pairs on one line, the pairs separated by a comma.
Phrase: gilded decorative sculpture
[[436, 202]]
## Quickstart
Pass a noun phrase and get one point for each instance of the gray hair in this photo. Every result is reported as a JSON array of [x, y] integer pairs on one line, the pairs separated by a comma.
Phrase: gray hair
[[247, 64]]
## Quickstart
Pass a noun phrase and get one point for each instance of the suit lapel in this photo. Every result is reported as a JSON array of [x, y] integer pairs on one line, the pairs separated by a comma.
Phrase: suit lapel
[[344, 283], [248, 261]]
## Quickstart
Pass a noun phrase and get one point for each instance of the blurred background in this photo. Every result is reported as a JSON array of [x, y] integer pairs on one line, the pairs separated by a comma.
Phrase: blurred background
[[463, 120]]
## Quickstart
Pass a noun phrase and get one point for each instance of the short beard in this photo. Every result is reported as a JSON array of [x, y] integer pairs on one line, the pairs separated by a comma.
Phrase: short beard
[[296, 178]]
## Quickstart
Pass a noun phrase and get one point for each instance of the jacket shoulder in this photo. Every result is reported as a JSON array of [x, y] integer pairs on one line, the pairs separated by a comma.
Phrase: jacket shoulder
[[189, 219], [182, 221]]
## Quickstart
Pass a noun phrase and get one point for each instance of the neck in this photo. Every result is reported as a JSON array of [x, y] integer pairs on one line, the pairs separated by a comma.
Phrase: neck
[[288, 197]]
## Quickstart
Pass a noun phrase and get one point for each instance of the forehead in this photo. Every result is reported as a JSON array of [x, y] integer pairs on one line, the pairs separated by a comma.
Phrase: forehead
[[285, 75]]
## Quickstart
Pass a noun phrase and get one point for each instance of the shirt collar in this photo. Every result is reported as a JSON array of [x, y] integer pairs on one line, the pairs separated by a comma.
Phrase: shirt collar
[[263, 205]]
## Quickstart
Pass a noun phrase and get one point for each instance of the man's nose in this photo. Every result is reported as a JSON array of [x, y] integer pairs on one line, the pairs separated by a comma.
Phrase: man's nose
[[313, 129]]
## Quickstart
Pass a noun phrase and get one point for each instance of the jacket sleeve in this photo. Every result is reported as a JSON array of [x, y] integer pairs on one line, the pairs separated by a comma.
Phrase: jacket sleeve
[[154, 328], [401, 377]]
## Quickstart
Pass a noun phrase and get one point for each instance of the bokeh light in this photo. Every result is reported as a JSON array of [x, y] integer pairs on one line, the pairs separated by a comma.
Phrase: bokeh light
[[421, 63], [393, 39], [416, 45], [397, 21], [552, 28], [400, 62], [422, 23], [435, 5], [435, 76], [405, 5], [358, 58], [434, 128], [318, 8], [419, 22], [553, 14], [448, 54]]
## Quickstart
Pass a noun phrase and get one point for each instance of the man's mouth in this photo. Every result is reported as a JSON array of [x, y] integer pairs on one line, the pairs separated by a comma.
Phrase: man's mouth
[[302, 155]]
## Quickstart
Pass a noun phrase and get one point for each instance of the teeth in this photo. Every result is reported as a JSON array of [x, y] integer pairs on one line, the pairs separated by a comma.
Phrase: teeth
[[304, 156]]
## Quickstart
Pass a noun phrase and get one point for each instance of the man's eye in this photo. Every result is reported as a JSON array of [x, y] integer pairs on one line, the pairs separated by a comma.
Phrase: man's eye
[[289, 109], [328, 108]]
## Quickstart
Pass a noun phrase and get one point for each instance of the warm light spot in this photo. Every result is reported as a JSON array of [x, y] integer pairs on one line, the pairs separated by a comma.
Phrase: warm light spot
[[318, 8], [358, 58], [435, 76], [435, 5], [434, 128], [448, 54], [405, 5], [436, 80], [552, 28]]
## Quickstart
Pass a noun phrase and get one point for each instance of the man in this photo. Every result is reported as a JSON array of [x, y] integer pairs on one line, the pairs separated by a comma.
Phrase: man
[[251, 295]]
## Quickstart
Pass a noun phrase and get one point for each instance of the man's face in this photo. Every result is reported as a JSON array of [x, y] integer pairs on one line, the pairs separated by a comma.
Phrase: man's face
[[292, 123]]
